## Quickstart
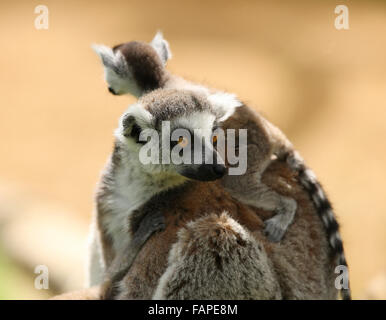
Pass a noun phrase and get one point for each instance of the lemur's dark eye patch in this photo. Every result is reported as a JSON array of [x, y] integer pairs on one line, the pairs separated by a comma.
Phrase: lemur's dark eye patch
[[135, 130]]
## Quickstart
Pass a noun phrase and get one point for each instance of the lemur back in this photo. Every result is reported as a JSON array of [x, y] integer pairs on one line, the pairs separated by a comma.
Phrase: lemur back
[[265, 143]]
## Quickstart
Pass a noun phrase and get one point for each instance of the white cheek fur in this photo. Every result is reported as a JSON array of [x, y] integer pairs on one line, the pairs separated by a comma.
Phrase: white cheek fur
[[122, 85]]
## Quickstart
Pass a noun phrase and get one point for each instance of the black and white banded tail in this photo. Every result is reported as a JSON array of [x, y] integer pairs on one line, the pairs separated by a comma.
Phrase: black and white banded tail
[[324, 209]]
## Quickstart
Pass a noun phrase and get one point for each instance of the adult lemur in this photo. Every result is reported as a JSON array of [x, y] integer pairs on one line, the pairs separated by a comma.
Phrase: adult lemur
[[137, 68], [214, 242]]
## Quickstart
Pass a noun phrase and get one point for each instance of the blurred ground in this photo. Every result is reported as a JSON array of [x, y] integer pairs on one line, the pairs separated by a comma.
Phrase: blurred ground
[[325, 88]]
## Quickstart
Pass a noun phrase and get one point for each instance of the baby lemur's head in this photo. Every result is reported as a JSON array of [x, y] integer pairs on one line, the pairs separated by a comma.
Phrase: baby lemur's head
[[175, 132], [135, 67]]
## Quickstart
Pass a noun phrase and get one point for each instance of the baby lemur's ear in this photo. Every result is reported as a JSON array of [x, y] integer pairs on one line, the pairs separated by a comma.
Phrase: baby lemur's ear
[[224, 104], [162, 47], [112, 60]]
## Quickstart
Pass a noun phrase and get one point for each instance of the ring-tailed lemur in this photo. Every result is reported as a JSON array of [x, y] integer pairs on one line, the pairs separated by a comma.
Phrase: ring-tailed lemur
[[215, 255], [127, 184], [138, 68], [131, 192]]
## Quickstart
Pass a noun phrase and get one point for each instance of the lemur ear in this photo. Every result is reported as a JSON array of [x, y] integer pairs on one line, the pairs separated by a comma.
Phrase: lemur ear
[[134, 121], [224, 104], [112, 60], [162, 47], [130, 127]]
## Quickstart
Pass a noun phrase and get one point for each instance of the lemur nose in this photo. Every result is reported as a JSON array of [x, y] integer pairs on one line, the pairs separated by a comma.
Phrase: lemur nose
[[111, 90], [219, 169]]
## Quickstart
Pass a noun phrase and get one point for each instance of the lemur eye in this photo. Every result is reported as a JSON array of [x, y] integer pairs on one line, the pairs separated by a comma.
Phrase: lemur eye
[[214, 139], [182, 141]]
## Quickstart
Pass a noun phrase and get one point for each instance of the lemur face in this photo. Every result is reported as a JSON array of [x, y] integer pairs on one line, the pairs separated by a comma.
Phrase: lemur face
[[175, 132], [135, 67]]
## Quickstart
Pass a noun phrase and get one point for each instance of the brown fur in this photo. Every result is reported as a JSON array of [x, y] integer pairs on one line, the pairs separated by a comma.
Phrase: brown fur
[[300, 260], [215, 258]]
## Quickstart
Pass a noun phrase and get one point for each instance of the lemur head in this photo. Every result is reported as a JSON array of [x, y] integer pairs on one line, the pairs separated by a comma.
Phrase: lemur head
[[135, 67], [174, 132]]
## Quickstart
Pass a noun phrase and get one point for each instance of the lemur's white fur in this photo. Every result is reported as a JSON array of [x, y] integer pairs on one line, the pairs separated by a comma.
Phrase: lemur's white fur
[[227, 102], [202, 120], [95, 266], [121, 87], [162, 47], [112, 60]]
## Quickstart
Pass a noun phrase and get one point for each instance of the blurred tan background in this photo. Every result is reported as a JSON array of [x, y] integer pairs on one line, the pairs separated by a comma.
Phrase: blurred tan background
[[325, 88]]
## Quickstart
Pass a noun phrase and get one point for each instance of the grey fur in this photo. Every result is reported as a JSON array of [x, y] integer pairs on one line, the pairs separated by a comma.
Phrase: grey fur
[[231, 265]]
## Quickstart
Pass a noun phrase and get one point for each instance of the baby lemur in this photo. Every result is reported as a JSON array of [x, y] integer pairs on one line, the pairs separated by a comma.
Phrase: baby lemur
[[138, 68]]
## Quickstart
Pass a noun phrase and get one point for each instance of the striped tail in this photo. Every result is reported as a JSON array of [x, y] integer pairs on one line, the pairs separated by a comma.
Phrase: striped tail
[[324, 209]]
